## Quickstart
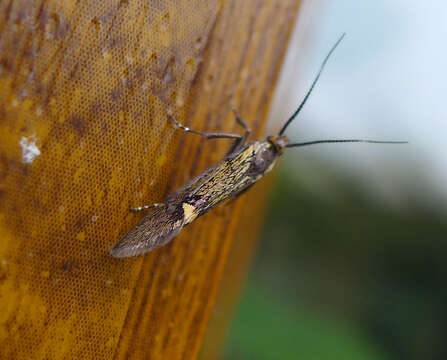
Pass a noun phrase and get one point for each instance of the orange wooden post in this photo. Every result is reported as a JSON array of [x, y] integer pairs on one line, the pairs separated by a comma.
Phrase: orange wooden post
[[84, 91]]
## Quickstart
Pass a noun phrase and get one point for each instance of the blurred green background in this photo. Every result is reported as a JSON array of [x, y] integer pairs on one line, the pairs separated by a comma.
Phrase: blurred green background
[[352, 263], [340, 275]]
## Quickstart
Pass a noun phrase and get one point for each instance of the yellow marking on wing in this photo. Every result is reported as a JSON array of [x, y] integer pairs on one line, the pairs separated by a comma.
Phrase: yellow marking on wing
[[246, 153], [189, 213]]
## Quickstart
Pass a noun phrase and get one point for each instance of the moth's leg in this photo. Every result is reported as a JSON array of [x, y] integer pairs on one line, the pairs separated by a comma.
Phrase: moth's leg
[[239, 142], [205, 135], [146, 207], [241, 123]]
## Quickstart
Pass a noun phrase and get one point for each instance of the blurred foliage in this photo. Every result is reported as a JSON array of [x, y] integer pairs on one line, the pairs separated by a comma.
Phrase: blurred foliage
[[374, 275], [269, 329]]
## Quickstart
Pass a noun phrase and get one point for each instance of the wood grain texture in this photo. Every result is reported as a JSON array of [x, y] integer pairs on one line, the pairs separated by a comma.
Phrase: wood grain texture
[[88, 84]]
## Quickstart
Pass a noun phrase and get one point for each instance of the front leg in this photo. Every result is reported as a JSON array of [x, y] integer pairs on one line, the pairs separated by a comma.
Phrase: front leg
[[205, 135], [239, 142]]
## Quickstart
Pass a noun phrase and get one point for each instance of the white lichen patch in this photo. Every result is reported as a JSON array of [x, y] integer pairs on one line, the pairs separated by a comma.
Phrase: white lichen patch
[[29, 149]]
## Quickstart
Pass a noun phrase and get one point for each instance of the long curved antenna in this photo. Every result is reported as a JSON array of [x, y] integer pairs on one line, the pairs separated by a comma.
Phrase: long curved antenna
[[345, 141], [312, 86]]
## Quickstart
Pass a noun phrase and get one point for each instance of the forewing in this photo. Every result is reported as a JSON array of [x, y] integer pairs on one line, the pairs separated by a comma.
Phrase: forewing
[[202, 193], [155, 229]]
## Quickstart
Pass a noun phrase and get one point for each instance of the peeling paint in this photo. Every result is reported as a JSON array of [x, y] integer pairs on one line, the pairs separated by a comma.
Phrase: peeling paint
[[29, 149]]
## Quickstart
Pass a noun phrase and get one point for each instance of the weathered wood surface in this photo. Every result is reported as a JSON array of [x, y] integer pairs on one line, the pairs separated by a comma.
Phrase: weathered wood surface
[[88, 84]]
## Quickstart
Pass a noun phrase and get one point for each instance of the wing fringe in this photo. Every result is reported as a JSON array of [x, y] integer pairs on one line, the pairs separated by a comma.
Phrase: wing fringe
[[155, 229]]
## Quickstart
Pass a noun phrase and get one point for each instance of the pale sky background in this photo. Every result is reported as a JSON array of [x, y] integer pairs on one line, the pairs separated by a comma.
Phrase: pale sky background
[[386, 81]]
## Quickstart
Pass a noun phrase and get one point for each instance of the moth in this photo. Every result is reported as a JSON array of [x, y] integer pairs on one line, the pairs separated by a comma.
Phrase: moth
[[243, 165]]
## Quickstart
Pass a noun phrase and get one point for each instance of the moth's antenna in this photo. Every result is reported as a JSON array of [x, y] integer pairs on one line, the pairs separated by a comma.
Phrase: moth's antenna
[[312, 86], [345, 141]]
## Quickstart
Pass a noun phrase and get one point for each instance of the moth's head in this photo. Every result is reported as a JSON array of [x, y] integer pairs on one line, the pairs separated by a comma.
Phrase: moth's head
[[279, 142]]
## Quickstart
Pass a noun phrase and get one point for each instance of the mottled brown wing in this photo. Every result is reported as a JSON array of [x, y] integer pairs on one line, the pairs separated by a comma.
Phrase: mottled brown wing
[[154, 230]]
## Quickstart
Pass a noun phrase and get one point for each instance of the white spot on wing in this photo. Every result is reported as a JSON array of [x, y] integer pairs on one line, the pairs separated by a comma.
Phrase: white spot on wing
[[29, 149]]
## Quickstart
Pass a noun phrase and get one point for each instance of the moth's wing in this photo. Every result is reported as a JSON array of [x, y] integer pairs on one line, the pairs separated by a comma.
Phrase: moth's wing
[[155, 229]]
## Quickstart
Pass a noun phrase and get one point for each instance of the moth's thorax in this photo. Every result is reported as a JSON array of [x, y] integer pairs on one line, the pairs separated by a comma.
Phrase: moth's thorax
[[264, 157]]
